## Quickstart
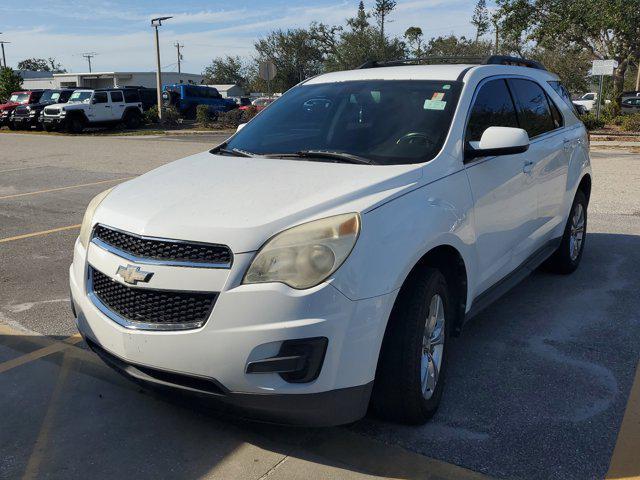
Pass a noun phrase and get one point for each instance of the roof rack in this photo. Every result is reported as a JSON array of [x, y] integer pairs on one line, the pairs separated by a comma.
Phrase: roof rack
[[491, 60]]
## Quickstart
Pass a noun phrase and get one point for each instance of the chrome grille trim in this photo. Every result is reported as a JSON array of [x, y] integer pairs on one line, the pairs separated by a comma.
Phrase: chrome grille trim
[[155, 261]]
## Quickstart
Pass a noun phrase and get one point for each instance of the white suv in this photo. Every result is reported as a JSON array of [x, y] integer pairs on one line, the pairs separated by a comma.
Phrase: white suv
[[320, 260], [95, 108]]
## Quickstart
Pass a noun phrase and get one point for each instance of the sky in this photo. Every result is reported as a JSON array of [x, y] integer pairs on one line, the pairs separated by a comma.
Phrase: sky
[[118, 31]]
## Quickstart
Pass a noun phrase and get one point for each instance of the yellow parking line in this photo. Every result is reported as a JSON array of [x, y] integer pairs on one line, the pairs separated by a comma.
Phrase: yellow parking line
[[38, 234], [625, 461], [40, 447], [22, 168], [42, 352], [15, 195]]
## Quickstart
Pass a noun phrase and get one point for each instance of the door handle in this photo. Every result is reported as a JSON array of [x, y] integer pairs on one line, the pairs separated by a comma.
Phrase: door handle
[[107, 106], [527, 167], [567, 144]]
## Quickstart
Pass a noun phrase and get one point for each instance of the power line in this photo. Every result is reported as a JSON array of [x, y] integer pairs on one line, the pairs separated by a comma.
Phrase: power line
[[178, 47], [89, 56]]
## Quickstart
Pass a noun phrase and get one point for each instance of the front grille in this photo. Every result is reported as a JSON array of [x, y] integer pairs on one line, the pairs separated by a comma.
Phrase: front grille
[[21, 112], [169, 251], [148, 308], [51, 111]]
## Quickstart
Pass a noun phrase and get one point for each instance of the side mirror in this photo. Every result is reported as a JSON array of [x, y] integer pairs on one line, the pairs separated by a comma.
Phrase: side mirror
[[498, 141], [240, 127], [93, 101]]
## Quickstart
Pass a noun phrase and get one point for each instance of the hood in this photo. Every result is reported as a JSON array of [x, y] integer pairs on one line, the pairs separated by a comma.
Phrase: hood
[[241, 202], [9, 105]]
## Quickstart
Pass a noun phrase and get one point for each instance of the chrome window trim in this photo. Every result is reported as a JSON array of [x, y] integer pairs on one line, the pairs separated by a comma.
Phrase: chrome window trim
[[154, 261], [129, 324]]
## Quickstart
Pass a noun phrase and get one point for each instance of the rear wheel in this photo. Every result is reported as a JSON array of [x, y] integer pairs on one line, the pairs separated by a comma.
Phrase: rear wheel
[[568, 255], [412, 365], [132, 120]]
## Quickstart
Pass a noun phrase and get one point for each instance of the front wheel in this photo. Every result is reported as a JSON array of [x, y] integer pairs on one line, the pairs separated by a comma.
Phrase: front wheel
[[74, 125], [132, 120], [568, 255], [412, 365]]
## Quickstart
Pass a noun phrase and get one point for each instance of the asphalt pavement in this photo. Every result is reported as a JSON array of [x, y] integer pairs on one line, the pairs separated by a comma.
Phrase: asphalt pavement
[[537, 387]]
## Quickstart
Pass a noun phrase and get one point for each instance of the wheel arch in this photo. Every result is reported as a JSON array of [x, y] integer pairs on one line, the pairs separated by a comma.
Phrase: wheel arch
[[585, 186], [450, 262]]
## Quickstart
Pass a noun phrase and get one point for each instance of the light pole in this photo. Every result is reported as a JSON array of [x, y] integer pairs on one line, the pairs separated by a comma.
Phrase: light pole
[[4, 59], [155, 23]]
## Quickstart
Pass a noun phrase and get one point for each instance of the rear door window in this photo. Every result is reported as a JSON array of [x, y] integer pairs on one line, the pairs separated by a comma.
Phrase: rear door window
[[116, 97], [493, 107], [534, 113], [561, 90]]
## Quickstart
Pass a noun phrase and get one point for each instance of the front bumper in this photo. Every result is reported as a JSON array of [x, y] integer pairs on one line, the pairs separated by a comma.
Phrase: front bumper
[[53, 121], [248, 323], [25, 121]]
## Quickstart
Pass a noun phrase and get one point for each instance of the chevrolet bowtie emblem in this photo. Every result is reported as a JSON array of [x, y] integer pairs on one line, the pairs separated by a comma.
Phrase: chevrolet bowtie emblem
[[133, 275]]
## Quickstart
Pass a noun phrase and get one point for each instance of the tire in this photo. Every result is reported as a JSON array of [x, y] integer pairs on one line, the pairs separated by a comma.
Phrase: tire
[[567, 257], [74, 125], [48, 127], [398, 388], [132, 120], [12, 126]]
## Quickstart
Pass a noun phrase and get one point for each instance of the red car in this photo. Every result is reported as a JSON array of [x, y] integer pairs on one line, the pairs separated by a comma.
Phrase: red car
[[17, 98], [260, 103]]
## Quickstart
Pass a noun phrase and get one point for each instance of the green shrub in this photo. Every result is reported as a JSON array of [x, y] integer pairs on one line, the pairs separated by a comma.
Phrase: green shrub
[[249, 113], [617, 120], [170, 117], [591, 122], [230, 119], [203, 115], [151, 115], [631, 123], [609, 112]]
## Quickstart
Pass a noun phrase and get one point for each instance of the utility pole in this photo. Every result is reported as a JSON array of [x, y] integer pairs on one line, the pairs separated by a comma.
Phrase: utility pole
[[638, 77], [4, 59], [497, 30], [178, 47], [89, 56], [155, 23]]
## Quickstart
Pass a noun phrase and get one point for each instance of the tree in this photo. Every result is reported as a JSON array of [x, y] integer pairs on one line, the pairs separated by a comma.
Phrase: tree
[[41, 65], [227, 70], [604, 29], [10, 82], [413, 35], [452, 46], [381, 11], [480, 18], [295, 53]]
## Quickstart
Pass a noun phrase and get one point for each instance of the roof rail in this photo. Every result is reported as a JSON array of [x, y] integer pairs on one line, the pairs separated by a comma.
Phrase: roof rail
[[491, 60]]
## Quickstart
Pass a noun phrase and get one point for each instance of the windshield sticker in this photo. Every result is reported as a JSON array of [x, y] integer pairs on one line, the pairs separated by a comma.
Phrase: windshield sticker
[[437, 96], [446, 87], [434, 104]]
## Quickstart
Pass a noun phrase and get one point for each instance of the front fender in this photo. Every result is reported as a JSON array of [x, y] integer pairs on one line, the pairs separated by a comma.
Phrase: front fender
[[396, 235]]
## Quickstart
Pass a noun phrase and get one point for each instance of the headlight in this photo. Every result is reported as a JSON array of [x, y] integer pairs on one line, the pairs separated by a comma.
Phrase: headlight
[[304, 256], [87, 221]]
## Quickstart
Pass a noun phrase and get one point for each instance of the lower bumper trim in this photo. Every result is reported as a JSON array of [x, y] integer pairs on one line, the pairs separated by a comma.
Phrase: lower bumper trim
[[334, 407]]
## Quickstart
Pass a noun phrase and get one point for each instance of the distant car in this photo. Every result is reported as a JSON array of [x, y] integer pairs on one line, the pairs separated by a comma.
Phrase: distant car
[[186, 98], [94, 108], [22, 97], [30, 115], [241, 101], [588, 101], [630, 105], [260, 103], [581, 109]]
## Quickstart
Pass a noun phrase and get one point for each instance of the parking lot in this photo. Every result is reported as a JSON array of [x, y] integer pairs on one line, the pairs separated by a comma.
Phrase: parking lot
[[538, 384]]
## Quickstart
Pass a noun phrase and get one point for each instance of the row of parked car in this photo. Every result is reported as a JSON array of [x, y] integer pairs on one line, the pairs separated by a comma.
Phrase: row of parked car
[[73, 110]]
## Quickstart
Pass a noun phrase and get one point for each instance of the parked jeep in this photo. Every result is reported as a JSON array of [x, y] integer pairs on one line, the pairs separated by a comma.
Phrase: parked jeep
[[94, 108], [185, 98], [147, 96], [23, 97], [27, 116]]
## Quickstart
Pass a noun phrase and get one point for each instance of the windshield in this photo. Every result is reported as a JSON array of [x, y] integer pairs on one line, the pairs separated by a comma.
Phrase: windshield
[[385, 121], [50, 96], [19, 97], [79, 96]]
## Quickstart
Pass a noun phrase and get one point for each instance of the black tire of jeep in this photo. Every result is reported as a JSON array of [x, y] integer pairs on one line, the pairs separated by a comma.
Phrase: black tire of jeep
[[132, 120], [48, 127], [74, 125], [561, 261], [39, 127], [12, 126], [397, 391]]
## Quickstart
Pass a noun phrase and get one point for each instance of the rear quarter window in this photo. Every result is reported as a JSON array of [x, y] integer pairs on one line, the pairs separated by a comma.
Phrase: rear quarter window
[[534, 112]]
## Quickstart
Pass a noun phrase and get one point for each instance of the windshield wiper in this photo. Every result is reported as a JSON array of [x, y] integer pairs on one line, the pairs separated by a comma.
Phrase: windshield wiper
[[340, 156], [233, 151]]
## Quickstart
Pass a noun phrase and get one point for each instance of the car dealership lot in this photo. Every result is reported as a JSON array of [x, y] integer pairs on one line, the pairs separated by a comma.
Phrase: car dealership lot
[[538, 383]]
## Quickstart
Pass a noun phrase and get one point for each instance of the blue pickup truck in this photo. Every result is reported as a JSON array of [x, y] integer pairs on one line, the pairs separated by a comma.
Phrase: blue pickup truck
[[186, 97]]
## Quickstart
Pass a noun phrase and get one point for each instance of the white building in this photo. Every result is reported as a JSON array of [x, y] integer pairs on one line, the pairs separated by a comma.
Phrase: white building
[[229, 90], [105, 79]]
